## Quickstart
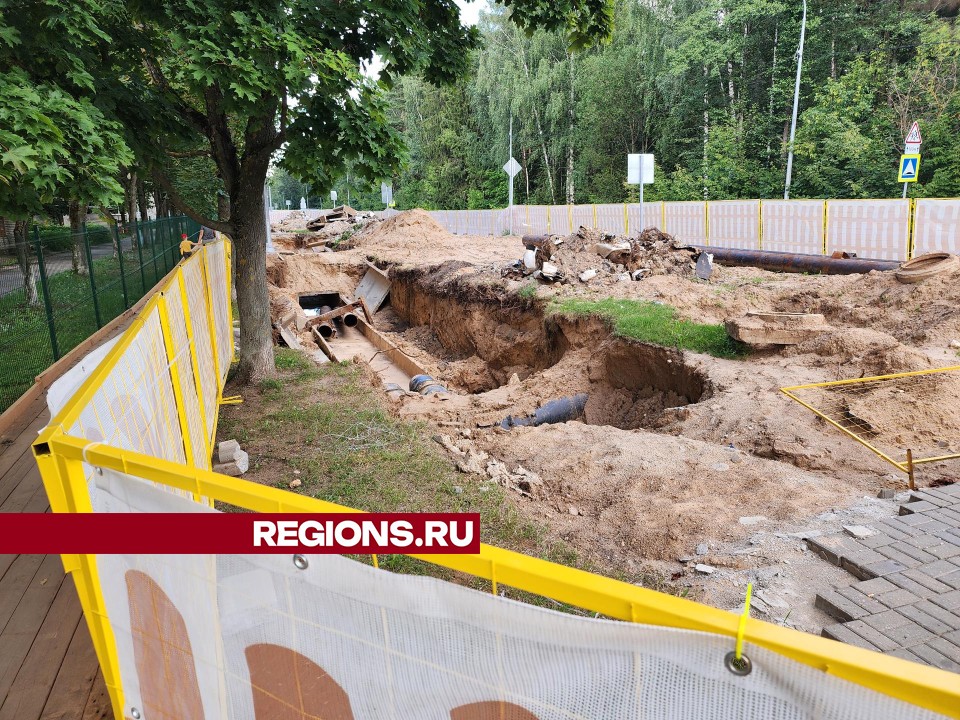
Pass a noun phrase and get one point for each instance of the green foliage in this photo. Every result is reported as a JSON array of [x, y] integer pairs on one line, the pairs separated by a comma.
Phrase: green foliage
[[705, 85], [654, 323]]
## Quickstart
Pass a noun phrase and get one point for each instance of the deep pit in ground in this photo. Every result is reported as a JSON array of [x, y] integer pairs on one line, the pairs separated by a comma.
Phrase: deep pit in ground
[[491, 341]]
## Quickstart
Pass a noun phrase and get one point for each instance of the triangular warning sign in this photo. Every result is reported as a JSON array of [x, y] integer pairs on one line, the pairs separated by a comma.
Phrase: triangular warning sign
[[914, 135]]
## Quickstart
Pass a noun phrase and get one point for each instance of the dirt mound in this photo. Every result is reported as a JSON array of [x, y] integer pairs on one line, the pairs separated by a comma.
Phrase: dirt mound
[[872, 352], [296, 220], [411, 227]]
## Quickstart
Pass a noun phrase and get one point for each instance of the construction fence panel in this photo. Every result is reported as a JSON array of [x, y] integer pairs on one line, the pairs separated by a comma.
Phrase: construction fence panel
[[876, 229], [612, 218], [560, 219], [936, 226], [250, 636], [652, 217], [584, 216], [194, 279], [734, 224], [686, 221], [216, 262], [533, 221], [793, 226]]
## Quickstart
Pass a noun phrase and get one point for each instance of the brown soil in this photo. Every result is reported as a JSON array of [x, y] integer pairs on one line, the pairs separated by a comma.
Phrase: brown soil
[[675, 448]]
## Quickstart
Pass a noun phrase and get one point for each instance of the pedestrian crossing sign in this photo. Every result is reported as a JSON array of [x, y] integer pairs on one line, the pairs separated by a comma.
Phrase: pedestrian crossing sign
[[909, 168]]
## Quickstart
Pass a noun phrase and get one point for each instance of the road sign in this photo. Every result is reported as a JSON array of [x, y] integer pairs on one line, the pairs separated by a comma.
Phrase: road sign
[[639, 169], [913, 137], [386, 193], [333, 196], [909, 168], [511, 168]]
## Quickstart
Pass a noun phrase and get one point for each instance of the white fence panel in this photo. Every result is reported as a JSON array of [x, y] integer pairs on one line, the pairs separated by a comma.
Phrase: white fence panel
[[583, 216], [612, 219], [652, 217], [686, 221], [870, 228], [734, 224], [560, 219], [936, 226], [793, 226]]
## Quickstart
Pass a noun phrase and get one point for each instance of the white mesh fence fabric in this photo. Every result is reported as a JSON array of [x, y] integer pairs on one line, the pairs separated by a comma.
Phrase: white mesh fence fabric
[[193, 277], [936, 226], [869, 228], [583, 216], [652, 216], [255, 637], [191, 410], [686, 221], [559, 219], [214, 256], [793, 226], [734, 224], [611, 219]]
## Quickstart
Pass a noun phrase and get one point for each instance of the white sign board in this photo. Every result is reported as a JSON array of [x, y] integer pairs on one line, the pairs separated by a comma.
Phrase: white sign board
[[640, 169], [511, 168], [333, 196], [386, 193], [913, 140]]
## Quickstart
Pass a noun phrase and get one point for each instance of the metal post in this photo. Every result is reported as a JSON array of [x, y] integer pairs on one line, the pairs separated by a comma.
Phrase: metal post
[[641, 200], [904, 191], [138, 241], [796, 102], [93, 282], [45, 288], [912, 483], [123, 277], [153, 248]]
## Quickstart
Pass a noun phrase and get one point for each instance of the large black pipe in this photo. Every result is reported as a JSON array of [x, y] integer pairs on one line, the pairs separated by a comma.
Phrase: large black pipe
[[555, 411], [797, 262]]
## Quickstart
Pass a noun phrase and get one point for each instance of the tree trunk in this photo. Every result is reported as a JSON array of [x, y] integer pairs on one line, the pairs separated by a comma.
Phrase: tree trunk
[[250, 259], [142, 201], [79, 257], [223, 207], [571, 120], [130, 197], [24, 259]]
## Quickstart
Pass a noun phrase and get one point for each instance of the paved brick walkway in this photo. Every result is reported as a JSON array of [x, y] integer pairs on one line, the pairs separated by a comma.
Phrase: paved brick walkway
[[907, 600]]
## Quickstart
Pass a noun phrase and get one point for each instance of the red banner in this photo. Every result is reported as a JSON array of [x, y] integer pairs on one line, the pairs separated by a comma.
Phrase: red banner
[[236, 533]]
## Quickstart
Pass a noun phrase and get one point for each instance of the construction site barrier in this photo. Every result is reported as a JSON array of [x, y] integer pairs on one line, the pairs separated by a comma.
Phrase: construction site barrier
[[877, 229], [267, 636]]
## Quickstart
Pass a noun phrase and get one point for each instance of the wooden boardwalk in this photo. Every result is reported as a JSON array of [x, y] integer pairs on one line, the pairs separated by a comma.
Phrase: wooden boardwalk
[[48, 669]]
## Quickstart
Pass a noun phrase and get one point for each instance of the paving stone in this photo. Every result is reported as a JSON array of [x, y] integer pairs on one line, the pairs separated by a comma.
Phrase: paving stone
[[948, 601], [952, 489], [872, 587], [927, 493], [833, 547], [929, 498], [935, 611], [943, 646], [922, 542], [885, 567], [953, 636], [839, 607], [855, 563], [951, 579], [905, 583], [937, 568], [898, 598], [924, 619], [905, 654], [881, 538], [922, 578], [932, 657], [893, 531], [870, 604], [844, 634], [917, 506], [859, 531], [874, 637], [949, 515], [892, 553], [909, 634], [944, 550], [950, 535], [911, 551], [898, 525], [887, 620]]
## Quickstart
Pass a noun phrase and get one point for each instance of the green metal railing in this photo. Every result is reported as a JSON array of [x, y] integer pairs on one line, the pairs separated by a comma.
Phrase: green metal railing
[[58, 287]]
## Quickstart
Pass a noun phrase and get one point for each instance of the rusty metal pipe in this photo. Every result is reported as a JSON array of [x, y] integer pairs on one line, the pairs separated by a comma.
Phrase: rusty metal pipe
[[326, 330], [796, 262], [350, 320]]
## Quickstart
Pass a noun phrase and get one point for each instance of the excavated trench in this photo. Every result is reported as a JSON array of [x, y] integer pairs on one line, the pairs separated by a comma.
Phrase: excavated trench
[[630, 384]]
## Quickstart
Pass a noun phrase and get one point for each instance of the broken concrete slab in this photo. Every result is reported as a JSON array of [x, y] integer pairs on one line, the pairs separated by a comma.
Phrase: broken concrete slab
[[776, 328], [373, 288]]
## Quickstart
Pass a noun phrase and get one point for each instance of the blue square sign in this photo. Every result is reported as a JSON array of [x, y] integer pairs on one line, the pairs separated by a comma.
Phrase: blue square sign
[[909, 168]]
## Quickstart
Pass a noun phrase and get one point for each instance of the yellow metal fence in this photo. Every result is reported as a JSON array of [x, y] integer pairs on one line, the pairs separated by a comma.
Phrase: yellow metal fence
[[146, 412]]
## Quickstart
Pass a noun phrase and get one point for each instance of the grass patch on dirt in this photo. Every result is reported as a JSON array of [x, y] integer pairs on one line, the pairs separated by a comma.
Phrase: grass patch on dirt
[[330, 423], [654, 323]]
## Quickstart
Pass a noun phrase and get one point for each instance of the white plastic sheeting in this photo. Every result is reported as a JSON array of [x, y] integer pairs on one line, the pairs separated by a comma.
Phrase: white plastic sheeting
[[870, 228], [400, 646], [793, 226], [936, 226], [734, 224]]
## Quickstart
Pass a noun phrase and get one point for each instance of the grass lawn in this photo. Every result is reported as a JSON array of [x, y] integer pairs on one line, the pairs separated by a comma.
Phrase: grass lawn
[[25, 345], [331, 424], [654, 323]]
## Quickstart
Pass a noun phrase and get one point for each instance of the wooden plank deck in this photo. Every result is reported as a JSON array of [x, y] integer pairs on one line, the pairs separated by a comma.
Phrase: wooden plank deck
[[48, 669]]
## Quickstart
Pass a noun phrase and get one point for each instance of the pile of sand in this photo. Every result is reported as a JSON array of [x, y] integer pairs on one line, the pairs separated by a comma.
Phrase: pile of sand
[[409, 228]]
